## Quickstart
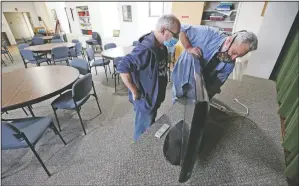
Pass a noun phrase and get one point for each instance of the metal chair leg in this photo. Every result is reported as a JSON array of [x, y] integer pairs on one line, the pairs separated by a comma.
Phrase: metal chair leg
[[3, 62], [78, 111], [10, 56], [56, 118], [96, 97], [96, 70], [36, 155], [30, 110], [115, 83], [56, 131], [25, 111], [105, 72], [109, 68]]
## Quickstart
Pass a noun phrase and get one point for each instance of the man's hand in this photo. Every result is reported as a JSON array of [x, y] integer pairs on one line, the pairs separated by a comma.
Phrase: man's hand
[[136, 94], [195, 50]]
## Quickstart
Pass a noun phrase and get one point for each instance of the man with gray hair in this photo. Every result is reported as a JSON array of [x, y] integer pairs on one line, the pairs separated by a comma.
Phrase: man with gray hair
[[213, 52], [144, 71]]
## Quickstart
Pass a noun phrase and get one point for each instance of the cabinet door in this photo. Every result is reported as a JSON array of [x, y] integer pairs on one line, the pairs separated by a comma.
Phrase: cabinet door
[[188, 12]]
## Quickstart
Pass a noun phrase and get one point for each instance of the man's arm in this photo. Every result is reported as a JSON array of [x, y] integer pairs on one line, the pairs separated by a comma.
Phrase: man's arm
[[127, 79], [135, 61], [188, 46]]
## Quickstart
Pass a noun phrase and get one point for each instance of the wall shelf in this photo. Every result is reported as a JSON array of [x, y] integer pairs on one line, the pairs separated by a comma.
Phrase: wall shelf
[[83, 14]]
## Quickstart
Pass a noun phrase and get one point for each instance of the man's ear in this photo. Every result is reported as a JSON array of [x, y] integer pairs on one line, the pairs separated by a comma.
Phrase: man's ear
[[163, 30]]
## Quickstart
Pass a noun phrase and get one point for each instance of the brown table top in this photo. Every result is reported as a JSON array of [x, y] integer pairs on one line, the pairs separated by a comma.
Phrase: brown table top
[[27, 86], [117, 52], [47, 37], [48, 46]]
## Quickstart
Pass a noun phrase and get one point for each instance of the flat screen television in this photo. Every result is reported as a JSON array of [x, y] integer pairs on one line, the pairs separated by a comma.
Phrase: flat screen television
[[184, 140]]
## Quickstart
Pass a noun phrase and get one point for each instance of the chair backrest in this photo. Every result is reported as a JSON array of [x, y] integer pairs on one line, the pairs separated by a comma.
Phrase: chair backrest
[[78, 48], [90, 54], [60, 52], [97, 37], [57, 40], [37, 41], [94, 35], [27, 54], [135, 43], [22, 46], [171, 50], [75, 41], [109, 45], [56, 37], [81, 65], [82, 87], [116, 61], [4, 44]]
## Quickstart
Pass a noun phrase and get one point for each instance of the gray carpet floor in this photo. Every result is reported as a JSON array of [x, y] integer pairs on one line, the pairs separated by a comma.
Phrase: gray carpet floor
[[239, 151]]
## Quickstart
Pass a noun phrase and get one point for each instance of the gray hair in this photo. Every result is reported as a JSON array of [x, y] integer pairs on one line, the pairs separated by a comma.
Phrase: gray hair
[[249, 38], [167, 21]]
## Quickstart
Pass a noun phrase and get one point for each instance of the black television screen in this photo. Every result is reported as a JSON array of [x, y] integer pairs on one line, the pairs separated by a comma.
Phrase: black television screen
[[184, 139]]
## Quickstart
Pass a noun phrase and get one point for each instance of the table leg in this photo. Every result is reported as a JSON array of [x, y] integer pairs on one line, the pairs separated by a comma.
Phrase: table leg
[[31, 112]]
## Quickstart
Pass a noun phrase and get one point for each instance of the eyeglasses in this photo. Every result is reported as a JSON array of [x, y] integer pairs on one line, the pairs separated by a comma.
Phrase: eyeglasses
[[176, 35]]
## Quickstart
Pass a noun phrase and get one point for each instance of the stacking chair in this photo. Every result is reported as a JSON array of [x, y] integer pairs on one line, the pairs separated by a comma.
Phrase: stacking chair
[[28, 57], [135, 43], [99, 62], [57, 36], [116, 61], [171, 59], [37, 41], [60, 54], [75, 98], [6, 51], [77, 51], [83, 67], [57, 40], [22, 46], [109, 46], [26, 132], [94, 41], [75, 41]]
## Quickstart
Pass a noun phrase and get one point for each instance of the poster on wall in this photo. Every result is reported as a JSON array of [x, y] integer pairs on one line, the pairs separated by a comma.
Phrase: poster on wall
[[127, 13]]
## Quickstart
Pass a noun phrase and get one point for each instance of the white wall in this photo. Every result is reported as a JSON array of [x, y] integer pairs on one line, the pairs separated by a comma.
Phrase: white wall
[[41, 10], [17, 24], [5, 28], [21, 7], [276, 24], [107, 16], [60, 11], [249, 16], [30, 29]]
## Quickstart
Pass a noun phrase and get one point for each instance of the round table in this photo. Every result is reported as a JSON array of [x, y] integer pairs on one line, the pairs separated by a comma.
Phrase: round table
[[48, 47], [113, 53], [24, 87]]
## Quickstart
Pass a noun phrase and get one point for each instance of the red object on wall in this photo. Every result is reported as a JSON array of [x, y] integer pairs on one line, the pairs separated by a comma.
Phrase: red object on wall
[[185, 17], [87, 13], [89, 32]]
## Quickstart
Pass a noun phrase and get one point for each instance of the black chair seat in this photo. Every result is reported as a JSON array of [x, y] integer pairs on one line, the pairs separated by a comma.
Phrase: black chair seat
[[100, 62], [65, 101]]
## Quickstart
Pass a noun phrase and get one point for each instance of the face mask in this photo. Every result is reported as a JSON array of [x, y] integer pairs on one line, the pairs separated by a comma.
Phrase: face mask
[[171, 42], [224, 57]]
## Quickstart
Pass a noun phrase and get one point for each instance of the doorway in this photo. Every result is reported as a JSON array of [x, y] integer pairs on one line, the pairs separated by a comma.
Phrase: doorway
[[20, 25]]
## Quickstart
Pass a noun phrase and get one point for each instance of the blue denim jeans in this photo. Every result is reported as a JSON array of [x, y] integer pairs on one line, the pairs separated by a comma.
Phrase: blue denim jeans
[[142, 122]]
